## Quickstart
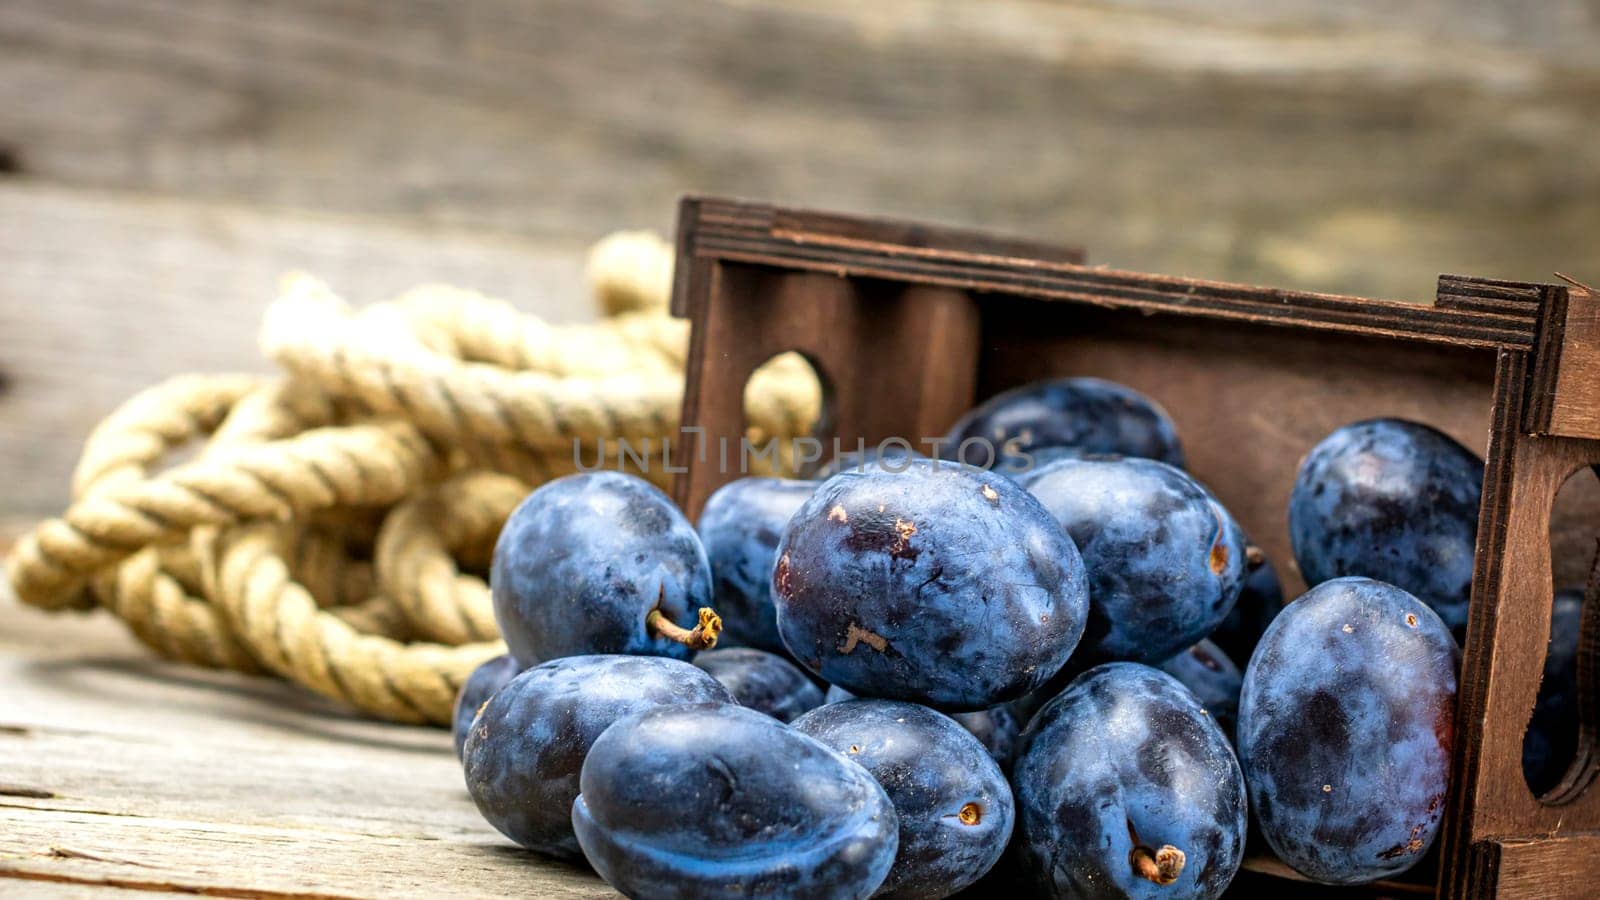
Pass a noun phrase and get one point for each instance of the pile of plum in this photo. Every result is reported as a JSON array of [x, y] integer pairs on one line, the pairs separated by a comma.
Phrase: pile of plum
[[1010, 679]]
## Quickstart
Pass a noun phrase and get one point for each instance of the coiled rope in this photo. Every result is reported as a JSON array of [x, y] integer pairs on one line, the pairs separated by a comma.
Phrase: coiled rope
[[332, 525]]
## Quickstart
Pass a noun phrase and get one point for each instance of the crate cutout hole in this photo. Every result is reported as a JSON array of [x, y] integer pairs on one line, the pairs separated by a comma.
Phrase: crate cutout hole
[[788, 388], [1558, 749]]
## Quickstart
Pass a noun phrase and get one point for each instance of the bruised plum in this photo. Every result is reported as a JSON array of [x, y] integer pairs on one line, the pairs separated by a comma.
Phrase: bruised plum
[[482, 684], [1126, 788], [720, 801], [940, 585], [764, 682], [1213, 678], [600, 562], [1165, 560], [952, 800], [740, 527], [1084, 414], [1392, 500], [526, 748], [1346, 723]]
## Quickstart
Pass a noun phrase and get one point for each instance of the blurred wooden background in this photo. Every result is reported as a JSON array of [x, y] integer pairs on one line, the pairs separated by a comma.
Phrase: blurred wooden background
[[162, 161]]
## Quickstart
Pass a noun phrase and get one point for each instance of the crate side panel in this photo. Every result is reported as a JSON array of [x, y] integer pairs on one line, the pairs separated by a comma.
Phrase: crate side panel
[[1575, 402], [1554, 868]]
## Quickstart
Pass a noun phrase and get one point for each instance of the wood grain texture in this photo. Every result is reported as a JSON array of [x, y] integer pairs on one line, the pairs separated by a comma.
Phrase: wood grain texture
[[1541, 868], [1358, 147], [55, 890], [760, 234], [1508, 631], [102, 295], [1573, 406], [896, 361], [119, 771]]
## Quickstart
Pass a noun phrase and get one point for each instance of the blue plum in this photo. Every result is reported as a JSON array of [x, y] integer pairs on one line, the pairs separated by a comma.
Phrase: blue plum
[[1044, 456], [996, 728], [889, 456], [1086, 414], [1392, 500], [1260, 601], [721, 801], [1126, 788], [600, 562], [1026, 706], [1552, 737], [482, 684], [526, 748], [764, 682], [952, 800], [740, 527], [1213, 678], [1165, 560], [1346, 723], [940, 585]]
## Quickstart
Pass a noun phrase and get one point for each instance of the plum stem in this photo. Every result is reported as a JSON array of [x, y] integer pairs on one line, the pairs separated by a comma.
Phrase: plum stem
[[1254, 556], [1161, 866], [703, 636]]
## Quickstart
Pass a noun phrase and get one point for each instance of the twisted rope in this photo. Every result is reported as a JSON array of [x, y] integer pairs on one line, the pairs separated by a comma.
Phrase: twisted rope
[[419, 546], [331, 526]]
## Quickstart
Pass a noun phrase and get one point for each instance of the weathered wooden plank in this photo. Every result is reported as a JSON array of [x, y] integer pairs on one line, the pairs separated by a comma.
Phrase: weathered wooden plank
[[324, 780], [1575, 402], [101, 295], [55, 890], [227, 859], [117, 769], [1544, 868], [1361, 148]]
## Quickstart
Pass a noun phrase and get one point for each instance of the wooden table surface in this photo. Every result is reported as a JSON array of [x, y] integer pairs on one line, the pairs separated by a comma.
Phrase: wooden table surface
[[118, 771]]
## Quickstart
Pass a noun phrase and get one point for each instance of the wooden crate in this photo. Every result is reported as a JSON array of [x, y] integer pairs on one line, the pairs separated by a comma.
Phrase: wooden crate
[[908, 326]]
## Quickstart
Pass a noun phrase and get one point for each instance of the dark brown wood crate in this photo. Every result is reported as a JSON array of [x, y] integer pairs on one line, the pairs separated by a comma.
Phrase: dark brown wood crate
[[1566, 397], [909, 325]]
